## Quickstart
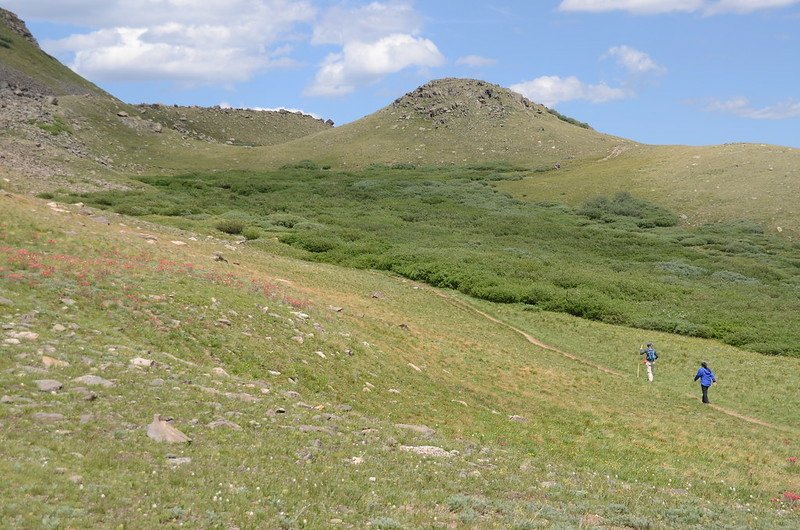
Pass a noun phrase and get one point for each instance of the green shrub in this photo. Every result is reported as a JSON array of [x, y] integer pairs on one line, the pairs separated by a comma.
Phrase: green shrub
[[622, 205], [252, 232], [45, 195], [303, 164], [567, 119], [230, 226]]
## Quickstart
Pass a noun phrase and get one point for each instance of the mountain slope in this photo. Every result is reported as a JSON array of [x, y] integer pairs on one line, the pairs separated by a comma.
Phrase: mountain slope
[[317, 396], [704, 184], [24, 65], [453, 122]]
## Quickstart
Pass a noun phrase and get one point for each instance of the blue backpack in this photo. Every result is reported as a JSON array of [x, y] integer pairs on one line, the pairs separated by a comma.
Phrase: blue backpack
[[651, 354]]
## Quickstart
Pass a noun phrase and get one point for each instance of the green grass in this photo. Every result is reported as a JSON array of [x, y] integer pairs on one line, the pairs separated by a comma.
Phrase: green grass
[[56, 127], [612, 260], [595, 447]]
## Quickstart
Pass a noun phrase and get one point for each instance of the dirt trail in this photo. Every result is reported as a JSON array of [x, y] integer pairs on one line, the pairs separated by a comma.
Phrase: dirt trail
[[533, 340], [530, 338]]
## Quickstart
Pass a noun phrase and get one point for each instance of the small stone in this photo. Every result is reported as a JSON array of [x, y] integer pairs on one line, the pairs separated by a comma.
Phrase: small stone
[[178, 243], [122, 114], [223, 423], [161, 431], [377, 295], [48, 385], [273, 372], [179, 460], [428, 450], [518, 419], [48, 417], [298, 339], [51, 362], [142, 362], [76, 479], [93, 380], [58, 328], [157, 382], [420, 429], [219, 372], [335, 308], [223, 322], [344, 408], [291, 394], [5, 301], [23, 335]]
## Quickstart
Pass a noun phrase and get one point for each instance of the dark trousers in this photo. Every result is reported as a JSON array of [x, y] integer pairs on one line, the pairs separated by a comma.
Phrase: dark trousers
[[705, 394]]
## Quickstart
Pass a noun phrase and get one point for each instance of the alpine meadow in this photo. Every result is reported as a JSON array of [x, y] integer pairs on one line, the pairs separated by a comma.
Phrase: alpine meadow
[[433, 316]]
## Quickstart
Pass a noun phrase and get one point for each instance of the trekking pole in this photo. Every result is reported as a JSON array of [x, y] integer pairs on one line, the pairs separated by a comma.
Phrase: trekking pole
[[638, 364]]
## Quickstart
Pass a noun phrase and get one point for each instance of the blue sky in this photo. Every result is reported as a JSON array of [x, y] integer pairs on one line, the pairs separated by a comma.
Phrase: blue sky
[[656, 71]]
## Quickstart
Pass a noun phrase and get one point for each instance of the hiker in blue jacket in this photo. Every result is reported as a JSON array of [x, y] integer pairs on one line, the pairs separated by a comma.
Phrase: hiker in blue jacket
[[706, 378], [650, 356]]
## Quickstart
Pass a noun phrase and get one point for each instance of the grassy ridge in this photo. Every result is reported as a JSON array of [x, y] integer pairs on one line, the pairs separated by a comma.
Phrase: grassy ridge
[[613, 260], [593, 449], [705, 184]]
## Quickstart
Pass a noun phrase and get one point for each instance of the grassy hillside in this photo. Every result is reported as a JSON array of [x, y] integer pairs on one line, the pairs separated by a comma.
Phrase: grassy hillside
[[542, 438], [453, 122], [705, 184], [235, 126], [23, 62], [619, 261]]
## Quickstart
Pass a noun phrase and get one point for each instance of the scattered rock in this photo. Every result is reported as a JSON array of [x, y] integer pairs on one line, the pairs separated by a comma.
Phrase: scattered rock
[[291, 394], [356, 460], [179, 460], [93, 380], [377, 295], [11, 341], [336, 309], [344, 408], [317, 428], [51, 362], [5, 301], [298, 339], [142, 362], [48, 385], [241, 396], [178, 243], [420, 429], [85, 393], [415, 367], [76, 479], [519, 419], [100, 219], [9, 400], [48, 417], [223, 423], [160, 430], [58, 328], [23, 335], [122, 114], [428, 450], [219, 372]]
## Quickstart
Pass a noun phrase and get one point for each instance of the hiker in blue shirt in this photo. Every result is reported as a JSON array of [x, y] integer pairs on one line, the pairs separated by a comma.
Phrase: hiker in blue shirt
[[706, 378], [650, 356]]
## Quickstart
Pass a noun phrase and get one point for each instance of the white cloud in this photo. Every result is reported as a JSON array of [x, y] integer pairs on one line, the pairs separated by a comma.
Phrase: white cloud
[[634, 61], [633, 6], [186, 41], [226, 105], [652, 7], [362, 63], [367, 23], [551, 90], [475, 61], [740, 106]]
